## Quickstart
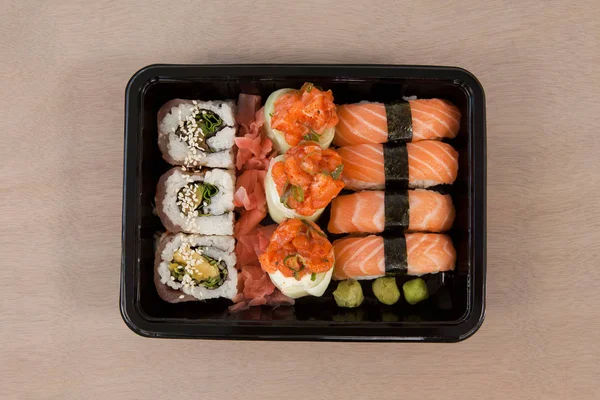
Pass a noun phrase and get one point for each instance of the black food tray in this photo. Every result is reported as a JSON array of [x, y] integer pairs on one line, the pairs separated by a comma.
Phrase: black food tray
[[455, 309]]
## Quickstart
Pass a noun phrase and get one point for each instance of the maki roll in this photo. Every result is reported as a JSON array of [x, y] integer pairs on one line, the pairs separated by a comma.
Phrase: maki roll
[[197, 133], [295, 115], [412, 254], [376, 211], [195, 267], [401, 122], [299, 259], [398, 166], [196, 202], [301, 183]]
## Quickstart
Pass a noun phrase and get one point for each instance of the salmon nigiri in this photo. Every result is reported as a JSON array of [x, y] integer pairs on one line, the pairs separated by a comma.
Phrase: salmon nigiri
[[374, 256], [403, 122], [376, 211], [422, 164]]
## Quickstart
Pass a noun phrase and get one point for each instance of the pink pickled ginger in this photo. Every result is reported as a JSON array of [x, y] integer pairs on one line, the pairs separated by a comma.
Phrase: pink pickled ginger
[[254, 285]]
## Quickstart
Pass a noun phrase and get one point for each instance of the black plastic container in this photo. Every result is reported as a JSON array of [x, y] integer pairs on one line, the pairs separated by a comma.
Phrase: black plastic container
[[455, 309]]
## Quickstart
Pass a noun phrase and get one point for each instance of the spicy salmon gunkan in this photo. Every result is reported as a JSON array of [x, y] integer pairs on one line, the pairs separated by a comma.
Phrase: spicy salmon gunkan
[[301, 183], [295, 115], [299, 259]]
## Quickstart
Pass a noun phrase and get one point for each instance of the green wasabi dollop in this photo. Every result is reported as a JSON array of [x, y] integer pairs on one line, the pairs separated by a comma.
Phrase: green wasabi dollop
[[348, 294], [415, 291], [386, 290]]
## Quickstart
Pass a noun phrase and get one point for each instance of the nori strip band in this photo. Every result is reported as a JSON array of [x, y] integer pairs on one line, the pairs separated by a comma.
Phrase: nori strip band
[[395, 164], [399, 122], [394, 251], [396, 210]]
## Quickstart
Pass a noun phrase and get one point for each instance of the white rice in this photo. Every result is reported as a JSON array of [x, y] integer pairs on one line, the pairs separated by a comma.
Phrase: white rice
[[367, 278], [423, 184], [215, 247], [221, 218], [221, 143], [356, 185]]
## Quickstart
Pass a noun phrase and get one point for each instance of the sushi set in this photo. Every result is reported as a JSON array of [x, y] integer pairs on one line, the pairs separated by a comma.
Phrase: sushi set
[[303, 202]]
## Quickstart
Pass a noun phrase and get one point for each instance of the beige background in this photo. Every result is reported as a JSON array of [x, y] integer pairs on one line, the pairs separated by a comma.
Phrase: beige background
[[64, 68]]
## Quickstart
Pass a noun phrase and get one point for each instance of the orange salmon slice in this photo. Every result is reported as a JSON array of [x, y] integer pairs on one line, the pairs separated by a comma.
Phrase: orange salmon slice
[[364, 212], [366, 123], [430, 163], [364, 257]]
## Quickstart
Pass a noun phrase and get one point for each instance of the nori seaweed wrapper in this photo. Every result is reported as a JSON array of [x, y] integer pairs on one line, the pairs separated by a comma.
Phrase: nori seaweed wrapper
[[394, 251], [399, 122], [396, 210], [395, 164]]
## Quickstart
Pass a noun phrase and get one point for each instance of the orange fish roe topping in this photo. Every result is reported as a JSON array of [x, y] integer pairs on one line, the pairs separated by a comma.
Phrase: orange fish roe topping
[[308, 111]]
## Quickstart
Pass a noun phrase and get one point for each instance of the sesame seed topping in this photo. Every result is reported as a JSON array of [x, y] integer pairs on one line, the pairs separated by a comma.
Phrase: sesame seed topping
[[192, 134]]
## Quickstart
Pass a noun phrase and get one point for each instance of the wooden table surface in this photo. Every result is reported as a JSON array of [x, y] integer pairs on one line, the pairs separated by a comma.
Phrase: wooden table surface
[[64, 67]]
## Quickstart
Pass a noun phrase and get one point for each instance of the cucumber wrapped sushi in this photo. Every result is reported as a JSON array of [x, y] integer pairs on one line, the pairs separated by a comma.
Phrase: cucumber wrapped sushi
[[301, 183], [196, 202], [196, 133], [195, 267], [299, 259], [295, 115]]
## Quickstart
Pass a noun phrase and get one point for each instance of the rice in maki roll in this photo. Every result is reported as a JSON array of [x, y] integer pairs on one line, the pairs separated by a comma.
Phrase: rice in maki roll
[[197, 133], [195, 267], [196, 202]]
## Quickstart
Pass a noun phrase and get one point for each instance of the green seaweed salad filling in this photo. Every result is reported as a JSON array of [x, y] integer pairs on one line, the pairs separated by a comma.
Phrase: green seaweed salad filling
[[194, 268], [202, 125], [195, 195]]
